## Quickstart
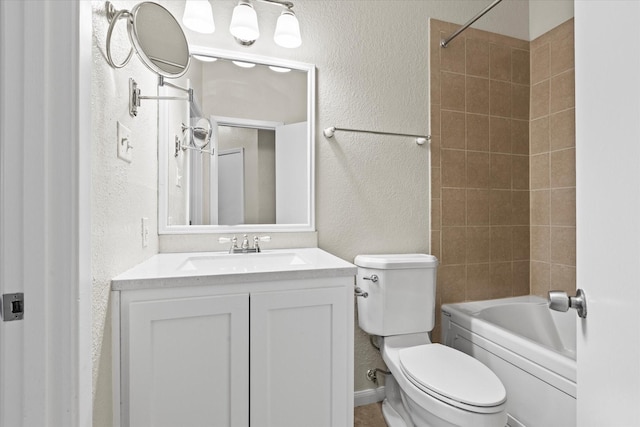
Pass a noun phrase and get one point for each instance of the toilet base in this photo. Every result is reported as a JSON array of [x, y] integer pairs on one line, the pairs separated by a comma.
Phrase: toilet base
[[393, 410]]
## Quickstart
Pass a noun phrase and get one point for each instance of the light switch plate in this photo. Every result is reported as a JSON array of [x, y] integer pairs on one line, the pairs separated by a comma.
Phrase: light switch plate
[[125, 145], [145, 232]]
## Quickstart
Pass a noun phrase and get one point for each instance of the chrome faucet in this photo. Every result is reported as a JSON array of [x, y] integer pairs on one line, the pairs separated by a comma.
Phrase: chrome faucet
[[244, 248]]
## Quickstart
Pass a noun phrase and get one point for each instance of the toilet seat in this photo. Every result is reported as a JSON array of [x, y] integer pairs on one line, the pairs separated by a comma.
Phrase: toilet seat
[[452, 377]]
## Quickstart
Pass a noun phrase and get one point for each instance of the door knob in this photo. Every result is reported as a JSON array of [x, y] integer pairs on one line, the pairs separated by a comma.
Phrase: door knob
[[560, 301]]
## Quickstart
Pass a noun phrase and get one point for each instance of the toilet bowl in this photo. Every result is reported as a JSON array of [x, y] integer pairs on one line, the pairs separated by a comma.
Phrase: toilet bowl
[[439, 386], [430, 385]]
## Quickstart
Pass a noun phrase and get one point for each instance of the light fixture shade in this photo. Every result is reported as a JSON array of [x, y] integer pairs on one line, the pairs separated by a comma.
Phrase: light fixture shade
[[287, 30], [198, 16], [244, 22]]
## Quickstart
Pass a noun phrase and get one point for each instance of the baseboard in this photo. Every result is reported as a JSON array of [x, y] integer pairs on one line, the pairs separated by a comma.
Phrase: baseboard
[[365, 397]]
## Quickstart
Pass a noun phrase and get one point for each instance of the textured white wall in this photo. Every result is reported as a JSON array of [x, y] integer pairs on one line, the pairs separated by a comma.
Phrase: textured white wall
[[372, 192], [122, 193]]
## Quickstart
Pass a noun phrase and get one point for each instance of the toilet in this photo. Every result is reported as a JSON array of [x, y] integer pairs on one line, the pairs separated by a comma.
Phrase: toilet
[[430, 385]]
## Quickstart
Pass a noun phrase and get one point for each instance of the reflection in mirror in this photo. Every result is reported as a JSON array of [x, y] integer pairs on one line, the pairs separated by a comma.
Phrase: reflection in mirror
[[260, 176]]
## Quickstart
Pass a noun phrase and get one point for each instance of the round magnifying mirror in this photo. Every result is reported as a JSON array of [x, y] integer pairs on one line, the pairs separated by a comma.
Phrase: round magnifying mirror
[[202, 133], [159, 40]]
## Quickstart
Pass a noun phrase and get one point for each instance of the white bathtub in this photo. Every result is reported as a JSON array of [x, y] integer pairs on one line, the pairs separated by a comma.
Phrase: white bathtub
[[532, 350]]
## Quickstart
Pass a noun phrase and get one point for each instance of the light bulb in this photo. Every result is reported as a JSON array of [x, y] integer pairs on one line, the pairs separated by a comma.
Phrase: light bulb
[[204, 58], [198, 16], [243, 64], [287, 30], [279, 69], [244, 23]]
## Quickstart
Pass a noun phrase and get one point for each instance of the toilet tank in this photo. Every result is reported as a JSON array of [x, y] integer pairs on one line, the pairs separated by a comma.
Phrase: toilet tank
[[401, 292]]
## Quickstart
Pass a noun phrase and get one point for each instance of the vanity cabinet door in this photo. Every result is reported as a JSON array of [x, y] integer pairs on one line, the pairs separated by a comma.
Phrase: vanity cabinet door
[[187, 362], [299, 363]]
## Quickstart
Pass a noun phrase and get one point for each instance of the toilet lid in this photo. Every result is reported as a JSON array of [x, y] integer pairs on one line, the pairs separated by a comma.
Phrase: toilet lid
[[445, 372]]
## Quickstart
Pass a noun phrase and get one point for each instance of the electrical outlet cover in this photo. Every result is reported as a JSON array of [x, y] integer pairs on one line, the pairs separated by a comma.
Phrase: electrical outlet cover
[[125, 146]]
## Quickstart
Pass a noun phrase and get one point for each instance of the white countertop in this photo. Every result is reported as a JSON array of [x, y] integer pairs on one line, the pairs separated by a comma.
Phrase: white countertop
[[210, 268]]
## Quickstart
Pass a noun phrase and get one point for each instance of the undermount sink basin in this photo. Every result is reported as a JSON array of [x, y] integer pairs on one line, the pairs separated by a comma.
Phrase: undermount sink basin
[[242, 262]]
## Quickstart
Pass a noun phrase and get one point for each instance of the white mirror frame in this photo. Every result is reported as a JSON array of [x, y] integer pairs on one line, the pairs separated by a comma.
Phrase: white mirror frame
[[164, 143]]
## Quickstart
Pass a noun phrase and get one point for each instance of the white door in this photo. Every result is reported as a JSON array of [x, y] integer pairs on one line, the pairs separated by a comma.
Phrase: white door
[[45, 116], [231, 187], [185, 362], [607, 37], [299, 372]]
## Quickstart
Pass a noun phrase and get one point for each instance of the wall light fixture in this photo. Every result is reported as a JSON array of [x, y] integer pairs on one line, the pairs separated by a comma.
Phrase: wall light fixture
[[244, 22]]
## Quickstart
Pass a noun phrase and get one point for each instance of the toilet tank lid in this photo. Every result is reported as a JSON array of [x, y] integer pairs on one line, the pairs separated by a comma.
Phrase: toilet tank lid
[[396, 261]]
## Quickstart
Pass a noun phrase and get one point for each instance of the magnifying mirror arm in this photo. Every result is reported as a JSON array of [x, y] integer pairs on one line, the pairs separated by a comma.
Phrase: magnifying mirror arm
[[135, 95]]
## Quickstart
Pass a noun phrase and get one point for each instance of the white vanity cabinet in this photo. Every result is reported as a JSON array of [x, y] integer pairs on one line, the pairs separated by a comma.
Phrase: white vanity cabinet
[[235, 351]]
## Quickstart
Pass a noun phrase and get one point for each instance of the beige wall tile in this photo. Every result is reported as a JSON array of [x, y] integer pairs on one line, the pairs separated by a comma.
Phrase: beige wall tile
[[435, 119], [500, 98], [520, 207], [501, 279], [478, 212], [540, 64], [562, 52], [563, 278], [521, 271], [454, 201], [540, 238], [500, 135], [453, 57], [478, 281], [477, 57], [540, 278], [477, 132], [478, 169], [539, 99], [435, 183], [453, 168], [477, 95], [501, 244], [453, 129], [434, 82], [563, 91], [500, 62], [521, 244], [539, 171], [452, 90], [454, 245], [520, 101], [563, 168], [540, 207], [520, 137], [563, 206], [500, 207], [452, 281], [501, 171], [520, 172], [540, 135], [436, 237], [520, 67], [562, 129], [436, 151], [479, 244], [563, 245], [436, 214]]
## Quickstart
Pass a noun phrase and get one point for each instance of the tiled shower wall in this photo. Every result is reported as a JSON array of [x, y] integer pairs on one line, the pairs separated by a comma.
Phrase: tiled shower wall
[[503, 206], [480, 164], [552, 162]]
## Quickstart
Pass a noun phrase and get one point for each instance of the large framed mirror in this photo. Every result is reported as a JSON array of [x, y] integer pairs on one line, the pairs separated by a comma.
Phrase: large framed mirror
[[257, 174]]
